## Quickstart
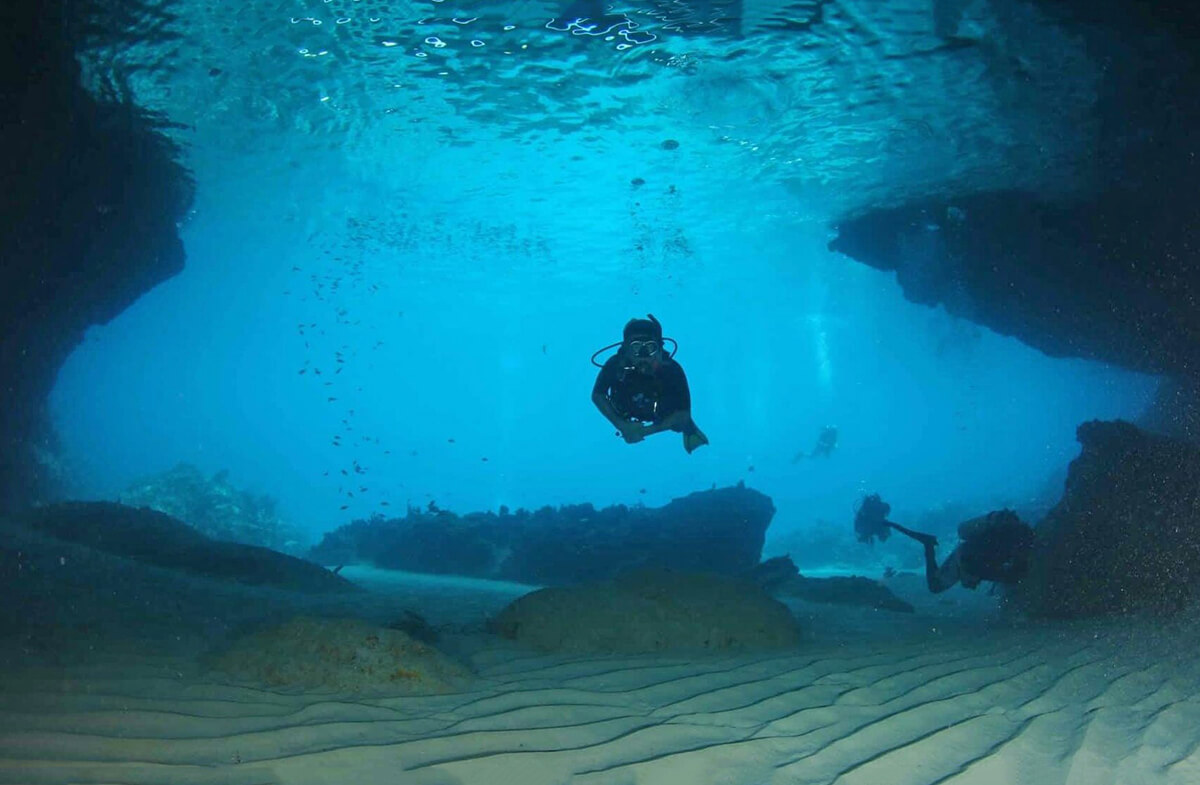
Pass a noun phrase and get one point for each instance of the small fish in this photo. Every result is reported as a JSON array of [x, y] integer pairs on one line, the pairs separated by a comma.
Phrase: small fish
[[384, 504], [345, 472], [344, 507], [330, 400], [450, 440], [302, 371], [484, 459]]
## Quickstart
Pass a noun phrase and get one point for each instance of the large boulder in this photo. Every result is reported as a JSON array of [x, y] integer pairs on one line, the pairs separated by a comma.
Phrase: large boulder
[[651, 611], [1126, 535], [720, 531], [339, 655]]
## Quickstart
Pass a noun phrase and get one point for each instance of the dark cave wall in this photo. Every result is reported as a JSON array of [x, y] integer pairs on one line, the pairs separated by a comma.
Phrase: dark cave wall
[[1102, 279], [88, 219], [1125, 537], [1110, 274]]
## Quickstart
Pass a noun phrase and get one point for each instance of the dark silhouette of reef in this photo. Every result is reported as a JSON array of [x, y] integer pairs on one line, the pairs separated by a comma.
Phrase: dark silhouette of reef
[[717, 531], [1125, 537], [154, 538], [88, 213]]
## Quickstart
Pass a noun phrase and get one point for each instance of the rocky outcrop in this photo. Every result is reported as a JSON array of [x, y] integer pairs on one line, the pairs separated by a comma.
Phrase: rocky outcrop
[[1105, 270], [1126, 535], [718, 531], [88, 216], [651, 611], [1105, 278], [780, 577], [154, 538]]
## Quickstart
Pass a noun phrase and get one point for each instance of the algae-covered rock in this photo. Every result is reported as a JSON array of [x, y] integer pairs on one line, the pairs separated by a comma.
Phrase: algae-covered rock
[[340, 655], [651, 610]]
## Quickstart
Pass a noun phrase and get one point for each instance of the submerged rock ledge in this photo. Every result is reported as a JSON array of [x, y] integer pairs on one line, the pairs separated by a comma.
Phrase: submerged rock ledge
[[718, 531]]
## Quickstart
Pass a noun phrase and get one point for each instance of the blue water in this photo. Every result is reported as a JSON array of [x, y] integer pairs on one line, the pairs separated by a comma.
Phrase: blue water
[[462, 224]]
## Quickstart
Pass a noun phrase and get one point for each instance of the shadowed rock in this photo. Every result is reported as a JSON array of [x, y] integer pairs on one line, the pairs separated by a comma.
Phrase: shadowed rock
[[155, 538], [89, 213], [779, 576]]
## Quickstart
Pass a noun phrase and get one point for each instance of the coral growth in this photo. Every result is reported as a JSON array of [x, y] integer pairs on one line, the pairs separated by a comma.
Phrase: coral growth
[[216, 508]]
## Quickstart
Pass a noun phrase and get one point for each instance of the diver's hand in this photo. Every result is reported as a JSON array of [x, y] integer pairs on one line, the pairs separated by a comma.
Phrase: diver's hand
[[633, 432]]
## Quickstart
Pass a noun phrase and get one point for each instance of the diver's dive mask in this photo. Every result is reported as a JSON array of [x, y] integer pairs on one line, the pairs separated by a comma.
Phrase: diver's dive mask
[[642, 349]]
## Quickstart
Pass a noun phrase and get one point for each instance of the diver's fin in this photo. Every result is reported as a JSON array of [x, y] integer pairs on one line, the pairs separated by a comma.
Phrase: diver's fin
[[693, 440]]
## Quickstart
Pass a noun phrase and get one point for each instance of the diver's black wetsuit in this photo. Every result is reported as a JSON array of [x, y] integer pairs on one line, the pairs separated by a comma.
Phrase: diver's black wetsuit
[[645, 397], [995, 547]]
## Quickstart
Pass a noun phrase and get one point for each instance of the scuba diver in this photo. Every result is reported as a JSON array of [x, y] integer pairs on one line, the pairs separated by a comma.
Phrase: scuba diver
[[642, 390], [994, 547], [870, 519], [826, 441]]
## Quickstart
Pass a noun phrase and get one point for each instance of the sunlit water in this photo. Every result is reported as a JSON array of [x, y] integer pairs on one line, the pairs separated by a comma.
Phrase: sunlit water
[[445, 208]]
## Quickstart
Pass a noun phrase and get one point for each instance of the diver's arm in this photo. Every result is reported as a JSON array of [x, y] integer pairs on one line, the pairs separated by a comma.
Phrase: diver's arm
[[610, 412], [675, 421], [604, 382]]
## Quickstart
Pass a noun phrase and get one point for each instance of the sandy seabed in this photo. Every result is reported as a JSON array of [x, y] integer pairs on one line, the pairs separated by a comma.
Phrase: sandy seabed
[[870, 698]]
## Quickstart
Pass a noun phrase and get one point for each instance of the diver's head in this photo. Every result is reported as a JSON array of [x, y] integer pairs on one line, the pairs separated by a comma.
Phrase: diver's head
[[642, 344]]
